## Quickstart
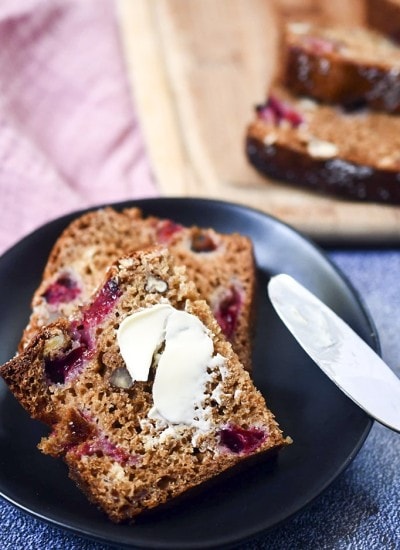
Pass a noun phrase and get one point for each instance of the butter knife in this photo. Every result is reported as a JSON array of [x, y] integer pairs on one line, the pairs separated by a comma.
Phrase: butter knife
[[334, 346]]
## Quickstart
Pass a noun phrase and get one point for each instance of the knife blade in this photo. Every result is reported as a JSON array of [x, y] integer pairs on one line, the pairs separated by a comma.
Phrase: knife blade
[[338, 350]]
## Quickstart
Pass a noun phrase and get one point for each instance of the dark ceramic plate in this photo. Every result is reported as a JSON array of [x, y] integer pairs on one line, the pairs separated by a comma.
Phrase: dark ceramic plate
[[327, 428]]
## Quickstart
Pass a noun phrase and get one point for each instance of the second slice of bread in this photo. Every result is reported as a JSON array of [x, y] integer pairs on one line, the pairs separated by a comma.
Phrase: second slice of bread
[[325, 148], [222, 267]]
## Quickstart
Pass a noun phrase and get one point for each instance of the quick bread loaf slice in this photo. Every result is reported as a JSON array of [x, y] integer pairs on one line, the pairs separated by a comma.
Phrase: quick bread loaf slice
[[222, 267], [144, 396], [351, 66], [325, 148]]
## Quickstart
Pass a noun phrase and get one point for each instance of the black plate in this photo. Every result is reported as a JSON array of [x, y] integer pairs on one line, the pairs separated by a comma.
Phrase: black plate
[[327, 428]]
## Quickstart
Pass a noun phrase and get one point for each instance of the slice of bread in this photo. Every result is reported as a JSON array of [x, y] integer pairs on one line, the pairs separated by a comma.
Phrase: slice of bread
[[222, 267], [134, 441], [351, 66], [325, 148]]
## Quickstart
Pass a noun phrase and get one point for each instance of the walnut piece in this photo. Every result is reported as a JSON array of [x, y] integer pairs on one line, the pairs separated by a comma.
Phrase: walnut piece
[[121, 378], [154, 284]]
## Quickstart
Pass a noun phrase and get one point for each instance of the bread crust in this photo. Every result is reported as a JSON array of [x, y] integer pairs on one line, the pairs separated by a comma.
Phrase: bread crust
[[341, 74], [336, 177], [384, 16]]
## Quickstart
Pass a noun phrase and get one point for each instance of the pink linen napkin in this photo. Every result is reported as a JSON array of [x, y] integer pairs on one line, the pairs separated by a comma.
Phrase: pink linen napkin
[[69, 135]]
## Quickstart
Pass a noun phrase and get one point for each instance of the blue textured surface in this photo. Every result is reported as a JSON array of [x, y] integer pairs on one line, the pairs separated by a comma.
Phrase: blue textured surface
[[361, 509]]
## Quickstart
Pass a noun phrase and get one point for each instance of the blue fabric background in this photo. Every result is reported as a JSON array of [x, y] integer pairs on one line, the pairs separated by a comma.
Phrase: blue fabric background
[[361, 509]]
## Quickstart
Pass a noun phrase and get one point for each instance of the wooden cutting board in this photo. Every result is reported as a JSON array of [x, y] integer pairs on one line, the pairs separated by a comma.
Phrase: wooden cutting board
[[197, 68]]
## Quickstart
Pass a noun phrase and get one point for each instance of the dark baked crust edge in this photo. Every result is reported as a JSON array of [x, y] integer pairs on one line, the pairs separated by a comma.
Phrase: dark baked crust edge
[[334, 176], [333, 79]]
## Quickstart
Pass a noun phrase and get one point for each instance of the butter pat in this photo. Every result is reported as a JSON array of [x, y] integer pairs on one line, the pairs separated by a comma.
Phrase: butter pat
[[139, 336], [178, 387], [182, 368]]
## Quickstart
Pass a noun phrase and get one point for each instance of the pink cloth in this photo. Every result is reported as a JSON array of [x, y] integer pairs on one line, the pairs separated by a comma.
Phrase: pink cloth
[[69, 136]]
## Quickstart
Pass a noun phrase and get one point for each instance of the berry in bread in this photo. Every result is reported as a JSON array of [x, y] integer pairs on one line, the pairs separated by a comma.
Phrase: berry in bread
[[144, 396], [350, 66], [222, 267], [326, 148]]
